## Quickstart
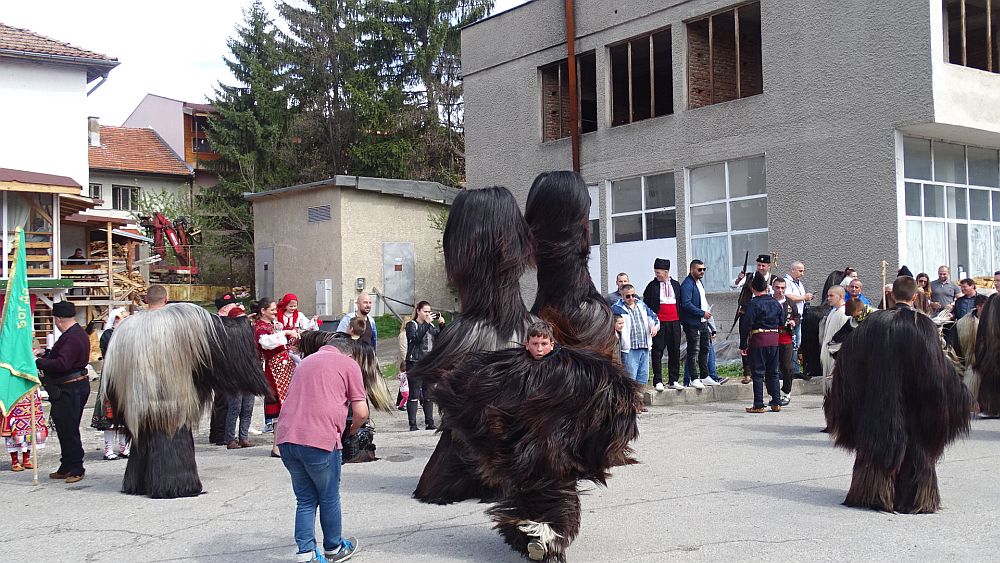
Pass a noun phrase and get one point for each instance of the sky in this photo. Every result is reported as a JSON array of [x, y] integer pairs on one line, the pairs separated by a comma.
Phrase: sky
[[171, 48]]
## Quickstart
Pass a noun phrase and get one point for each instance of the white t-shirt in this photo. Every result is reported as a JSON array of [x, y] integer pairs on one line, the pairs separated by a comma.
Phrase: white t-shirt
[[797, 288]]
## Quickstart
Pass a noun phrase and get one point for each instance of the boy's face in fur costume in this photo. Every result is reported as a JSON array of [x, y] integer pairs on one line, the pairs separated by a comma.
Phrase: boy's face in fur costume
[[539, 346]]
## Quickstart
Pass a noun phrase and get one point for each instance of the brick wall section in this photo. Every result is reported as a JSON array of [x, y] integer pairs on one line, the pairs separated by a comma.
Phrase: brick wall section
[[553, 109], [724, 57], [699, 81]]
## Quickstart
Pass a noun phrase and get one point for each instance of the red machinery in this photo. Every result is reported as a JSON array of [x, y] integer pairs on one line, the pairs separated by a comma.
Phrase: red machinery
[[175, 232]]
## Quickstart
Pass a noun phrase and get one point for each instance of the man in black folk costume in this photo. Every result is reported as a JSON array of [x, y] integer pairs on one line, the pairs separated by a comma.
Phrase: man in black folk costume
[[518, 431], [759, 327], [896, 401], [160, 372]]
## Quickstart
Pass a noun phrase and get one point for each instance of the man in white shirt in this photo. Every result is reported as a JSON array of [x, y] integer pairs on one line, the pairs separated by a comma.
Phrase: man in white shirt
[[796, 292]]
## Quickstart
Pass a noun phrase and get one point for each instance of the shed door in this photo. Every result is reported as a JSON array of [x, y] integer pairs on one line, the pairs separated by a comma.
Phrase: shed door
[[265, 272], [399, 276]]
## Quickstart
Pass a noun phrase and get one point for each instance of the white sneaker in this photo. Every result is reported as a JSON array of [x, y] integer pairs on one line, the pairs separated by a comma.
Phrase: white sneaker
[[254, 432], [696, 383], [677, 385], [708, 381], [659, 387]]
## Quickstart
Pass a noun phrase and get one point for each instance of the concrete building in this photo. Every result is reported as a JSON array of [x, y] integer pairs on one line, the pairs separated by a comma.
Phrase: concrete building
[[838, 133], [330, 240]]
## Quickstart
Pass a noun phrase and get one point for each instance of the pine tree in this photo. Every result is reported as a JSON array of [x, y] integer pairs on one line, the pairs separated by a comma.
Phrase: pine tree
[[249, 132]]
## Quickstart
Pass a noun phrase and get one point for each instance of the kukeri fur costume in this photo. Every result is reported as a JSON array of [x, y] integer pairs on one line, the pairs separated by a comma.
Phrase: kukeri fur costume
[[160, 372], [558, 212], [988, 358], [896, 401], [530, 429], [517, 431], [487, 247]]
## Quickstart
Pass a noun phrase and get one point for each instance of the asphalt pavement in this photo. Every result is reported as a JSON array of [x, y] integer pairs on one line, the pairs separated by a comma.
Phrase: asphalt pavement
[[715, 484]]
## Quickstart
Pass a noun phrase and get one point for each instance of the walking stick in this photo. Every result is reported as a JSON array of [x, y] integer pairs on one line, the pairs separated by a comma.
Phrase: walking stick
[[34, 438]]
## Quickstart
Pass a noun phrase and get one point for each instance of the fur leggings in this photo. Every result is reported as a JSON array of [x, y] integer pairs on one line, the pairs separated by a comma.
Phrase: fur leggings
[[547, 513], [913, 490]]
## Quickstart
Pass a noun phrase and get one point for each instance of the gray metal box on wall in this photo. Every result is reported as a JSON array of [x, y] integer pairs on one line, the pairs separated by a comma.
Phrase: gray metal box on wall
[[324, 297], [399, 276], [265, 272]]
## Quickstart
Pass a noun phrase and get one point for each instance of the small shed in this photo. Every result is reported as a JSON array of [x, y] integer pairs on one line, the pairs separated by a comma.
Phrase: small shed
[[330, 240]]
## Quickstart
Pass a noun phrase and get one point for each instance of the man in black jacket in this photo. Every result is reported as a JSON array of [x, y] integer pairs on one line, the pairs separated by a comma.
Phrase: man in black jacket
[[662, 295], [64, 375]]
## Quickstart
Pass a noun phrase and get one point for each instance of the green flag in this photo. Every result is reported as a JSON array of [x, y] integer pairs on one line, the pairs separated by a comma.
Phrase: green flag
[[18, 374]]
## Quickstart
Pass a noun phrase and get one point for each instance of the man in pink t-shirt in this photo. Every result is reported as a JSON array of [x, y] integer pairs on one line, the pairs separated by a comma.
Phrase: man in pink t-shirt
[[308, 434]]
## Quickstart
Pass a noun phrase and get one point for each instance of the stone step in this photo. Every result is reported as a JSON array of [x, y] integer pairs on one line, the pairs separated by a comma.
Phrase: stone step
[[732, 390]]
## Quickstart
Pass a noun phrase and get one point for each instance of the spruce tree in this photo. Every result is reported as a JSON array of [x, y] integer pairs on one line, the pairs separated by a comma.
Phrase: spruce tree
[[249, 132]]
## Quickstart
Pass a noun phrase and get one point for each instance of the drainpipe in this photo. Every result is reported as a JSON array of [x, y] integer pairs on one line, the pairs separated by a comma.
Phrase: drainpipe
[[574, 126]]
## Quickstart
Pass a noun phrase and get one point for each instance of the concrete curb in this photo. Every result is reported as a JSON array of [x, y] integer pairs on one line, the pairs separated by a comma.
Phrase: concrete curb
[[732, 390]]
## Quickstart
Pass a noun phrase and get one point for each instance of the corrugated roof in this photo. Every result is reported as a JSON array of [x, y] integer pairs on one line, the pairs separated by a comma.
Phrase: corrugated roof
[[410, 189], [18, 42], [136, 150]]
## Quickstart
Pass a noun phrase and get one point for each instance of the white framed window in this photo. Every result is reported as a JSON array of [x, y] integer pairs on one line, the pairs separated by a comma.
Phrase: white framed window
[[96, 191], [727, 216], [951, 204], [643, 208], [125, 198]]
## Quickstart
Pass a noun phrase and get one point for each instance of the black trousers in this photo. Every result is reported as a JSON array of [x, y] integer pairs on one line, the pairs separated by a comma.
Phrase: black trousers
[[667, 339], [217, 424], [66, 408], [698, 339], [764, 363], [418, 393], [786, 358]]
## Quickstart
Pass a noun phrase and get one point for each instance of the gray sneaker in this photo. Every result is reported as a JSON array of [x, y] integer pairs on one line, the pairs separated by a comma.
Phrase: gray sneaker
[[348, 547], [536, 550]]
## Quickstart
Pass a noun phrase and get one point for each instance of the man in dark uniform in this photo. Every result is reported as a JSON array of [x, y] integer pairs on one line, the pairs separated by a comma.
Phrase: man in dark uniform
[[759, 327], [64, 375], [742, 282]]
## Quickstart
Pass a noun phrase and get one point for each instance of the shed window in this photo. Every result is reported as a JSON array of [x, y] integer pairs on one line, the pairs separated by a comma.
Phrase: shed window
[[555, 97]]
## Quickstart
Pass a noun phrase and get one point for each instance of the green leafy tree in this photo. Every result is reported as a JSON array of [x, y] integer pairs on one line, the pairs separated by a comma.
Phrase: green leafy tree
[[250, 133]]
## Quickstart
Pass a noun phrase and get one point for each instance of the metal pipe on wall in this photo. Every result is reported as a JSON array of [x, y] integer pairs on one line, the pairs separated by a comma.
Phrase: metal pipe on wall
[[574, 101]]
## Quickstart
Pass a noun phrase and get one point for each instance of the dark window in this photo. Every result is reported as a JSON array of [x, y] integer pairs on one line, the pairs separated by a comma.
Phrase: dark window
[[724, 56], [555, 97], [200, 145], [971, 33], [125, 198], [595, 232], [95, 191], [641, 78]]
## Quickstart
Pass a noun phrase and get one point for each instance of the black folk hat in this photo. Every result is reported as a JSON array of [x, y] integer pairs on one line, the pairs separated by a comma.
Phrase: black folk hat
[[661, 264], [64, 310], [764, 259]]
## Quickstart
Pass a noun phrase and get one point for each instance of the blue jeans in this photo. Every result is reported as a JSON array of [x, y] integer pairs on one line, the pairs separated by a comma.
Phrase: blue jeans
[[699, 339], [637, 364], [796, 340], [711, 361], [316, 482]]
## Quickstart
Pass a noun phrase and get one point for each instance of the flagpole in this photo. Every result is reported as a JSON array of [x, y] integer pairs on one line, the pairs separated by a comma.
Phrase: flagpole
[[34, 438]]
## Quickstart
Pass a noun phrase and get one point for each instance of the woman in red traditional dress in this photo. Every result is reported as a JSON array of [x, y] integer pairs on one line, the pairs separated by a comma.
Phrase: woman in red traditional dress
[[291, 318], [272, 344], [16, 430]]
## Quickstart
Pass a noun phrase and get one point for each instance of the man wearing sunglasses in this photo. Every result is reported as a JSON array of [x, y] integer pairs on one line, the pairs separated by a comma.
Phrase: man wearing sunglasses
[[641, 325], [695, 314]]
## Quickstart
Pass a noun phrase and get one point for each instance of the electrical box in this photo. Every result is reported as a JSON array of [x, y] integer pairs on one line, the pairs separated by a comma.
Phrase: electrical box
[[324, 297]]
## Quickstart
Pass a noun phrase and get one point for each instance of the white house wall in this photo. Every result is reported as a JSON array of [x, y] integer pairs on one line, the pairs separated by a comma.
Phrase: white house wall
[[163, 115], [44, 123]]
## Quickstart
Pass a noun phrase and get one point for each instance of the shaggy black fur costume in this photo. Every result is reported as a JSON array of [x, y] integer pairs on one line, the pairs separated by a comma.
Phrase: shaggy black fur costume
[[160, 372], [988, 358], [487, 247], [897, 401], [530, 429], [558, 212]]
